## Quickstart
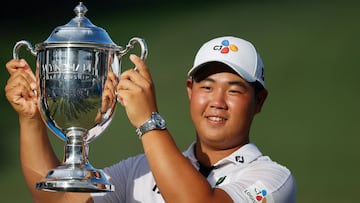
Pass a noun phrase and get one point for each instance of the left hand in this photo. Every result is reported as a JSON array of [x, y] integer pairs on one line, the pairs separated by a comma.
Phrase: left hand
[[136, 92]]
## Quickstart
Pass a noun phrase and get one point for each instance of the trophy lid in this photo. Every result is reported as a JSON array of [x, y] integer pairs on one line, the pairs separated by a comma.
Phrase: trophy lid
[[80, 30]]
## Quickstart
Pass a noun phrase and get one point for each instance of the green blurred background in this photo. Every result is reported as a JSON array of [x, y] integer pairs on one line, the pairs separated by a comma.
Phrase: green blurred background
[[310, 50]]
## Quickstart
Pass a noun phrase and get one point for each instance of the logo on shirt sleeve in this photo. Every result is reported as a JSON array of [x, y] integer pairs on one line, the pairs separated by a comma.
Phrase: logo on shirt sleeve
[[257, 193]]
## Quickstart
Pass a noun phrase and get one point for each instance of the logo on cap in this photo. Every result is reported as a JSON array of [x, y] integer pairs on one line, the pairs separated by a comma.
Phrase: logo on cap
[[225, 47]]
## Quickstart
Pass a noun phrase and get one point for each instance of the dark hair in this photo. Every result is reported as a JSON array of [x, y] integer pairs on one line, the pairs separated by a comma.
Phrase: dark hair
[[257, 87]]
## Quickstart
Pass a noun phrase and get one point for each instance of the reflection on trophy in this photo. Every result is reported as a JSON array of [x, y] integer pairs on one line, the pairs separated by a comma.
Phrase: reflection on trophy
[[77, 69]]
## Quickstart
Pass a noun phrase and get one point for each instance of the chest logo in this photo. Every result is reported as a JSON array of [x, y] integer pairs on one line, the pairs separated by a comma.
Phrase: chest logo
[[240, 159], [220, 180]]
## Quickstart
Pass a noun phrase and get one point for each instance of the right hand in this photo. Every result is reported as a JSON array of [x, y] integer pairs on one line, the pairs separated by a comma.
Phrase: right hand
[[136, 92], [20, 88]]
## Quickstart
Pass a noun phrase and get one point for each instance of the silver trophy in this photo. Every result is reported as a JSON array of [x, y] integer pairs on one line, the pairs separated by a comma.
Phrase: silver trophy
[[77, 69]]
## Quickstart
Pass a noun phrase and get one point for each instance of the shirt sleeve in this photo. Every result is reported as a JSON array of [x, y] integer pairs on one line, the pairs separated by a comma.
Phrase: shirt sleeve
[[121, 176], [116, 175], [269, 182]]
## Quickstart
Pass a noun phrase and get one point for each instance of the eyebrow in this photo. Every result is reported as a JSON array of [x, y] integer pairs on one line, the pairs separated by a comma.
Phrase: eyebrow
[[236, 82]]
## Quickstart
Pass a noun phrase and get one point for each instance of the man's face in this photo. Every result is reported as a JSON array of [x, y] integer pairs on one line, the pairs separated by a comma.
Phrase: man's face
[[222, 106]]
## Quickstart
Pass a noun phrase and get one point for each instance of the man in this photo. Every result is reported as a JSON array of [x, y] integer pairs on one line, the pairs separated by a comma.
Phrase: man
[[226, 90]]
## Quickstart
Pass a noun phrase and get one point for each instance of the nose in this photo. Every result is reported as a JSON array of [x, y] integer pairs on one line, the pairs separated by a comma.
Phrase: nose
[[218, 100]]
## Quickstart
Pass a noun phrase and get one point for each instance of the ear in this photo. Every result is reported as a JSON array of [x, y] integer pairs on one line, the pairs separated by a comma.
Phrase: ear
[[189, 84], [260, 99]]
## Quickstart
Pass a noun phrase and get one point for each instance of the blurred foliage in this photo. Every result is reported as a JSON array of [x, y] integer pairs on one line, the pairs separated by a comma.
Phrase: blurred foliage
[[310, 52]]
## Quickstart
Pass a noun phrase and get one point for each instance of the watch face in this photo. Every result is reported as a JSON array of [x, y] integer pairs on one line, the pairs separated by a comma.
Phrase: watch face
[[159, 121]]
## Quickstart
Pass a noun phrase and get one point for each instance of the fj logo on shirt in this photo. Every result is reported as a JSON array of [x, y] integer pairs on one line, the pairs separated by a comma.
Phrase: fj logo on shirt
[[240, 159], [156, 189]]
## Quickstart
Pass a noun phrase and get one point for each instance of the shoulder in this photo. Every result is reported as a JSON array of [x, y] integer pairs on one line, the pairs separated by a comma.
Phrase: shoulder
[[267, 168], [256, 176], [273, 174], [271, 178], [262, 179], [250, 161]]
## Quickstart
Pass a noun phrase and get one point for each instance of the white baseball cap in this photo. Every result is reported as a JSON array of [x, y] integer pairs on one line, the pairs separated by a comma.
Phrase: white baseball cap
[[238, 54]]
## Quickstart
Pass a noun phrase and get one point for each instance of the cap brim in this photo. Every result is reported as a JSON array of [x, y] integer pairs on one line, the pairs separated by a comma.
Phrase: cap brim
[[240, 71]]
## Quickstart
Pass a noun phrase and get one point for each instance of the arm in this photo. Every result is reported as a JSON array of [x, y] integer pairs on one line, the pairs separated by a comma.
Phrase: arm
[[172, 171], [36, 154]]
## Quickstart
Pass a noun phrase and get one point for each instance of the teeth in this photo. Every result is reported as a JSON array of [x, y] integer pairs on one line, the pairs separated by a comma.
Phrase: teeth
[[215, 118]]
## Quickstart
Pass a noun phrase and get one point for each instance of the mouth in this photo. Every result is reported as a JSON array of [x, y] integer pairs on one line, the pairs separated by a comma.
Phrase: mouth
[[216, 118]]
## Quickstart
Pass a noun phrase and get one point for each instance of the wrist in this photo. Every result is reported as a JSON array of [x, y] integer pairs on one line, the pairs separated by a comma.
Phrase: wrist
[[155, 122], [35, 121]]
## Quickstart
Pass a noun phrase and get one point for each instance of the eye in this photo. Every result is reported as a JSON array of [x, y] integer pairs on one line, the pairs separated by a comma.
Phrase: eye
[[234, 91], [237, 90], [205, 87]]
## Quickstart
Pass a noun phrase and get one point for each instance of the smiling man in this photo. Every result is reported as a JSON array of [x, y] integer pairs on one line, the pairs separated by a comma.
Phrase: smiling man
[[226, 89]]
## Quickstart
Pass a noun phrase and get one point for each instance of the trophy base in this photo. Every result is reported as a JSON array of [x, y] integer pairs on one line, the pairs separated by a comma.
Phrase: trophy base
[[85, 179]]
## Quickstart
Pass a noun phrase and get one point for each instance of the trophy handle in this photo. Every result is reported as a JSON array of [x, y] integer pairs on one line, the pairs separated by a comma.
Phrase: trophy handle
[[130, 45], [21, 43]]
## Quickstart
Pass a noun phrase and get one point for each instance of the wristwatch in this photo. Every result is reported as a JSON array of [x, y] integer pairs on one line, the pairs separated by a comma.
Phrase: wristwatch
[[155, 122]]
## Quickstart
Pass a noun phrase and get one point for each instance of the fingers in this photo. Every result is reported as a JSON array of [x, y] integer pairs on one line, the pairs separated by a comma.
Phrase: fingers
[[109, 92], [20, 93], [140, 66], [110, 86], [136, 80], [13, 65], [138, 77], [108, 97], [112, 77], [21, 80], [106, 100], [136, 92], [127, 87]]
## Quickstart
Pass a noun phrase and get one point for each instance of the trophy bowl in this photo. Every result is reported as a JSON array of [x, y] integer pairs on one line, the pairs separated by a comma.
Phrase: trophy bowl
[[77, 70]]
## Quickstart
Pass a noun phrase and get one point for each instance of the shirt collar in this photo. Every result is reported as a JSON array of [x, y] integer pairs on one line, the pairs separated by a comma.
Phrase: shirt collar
[[245, 154]]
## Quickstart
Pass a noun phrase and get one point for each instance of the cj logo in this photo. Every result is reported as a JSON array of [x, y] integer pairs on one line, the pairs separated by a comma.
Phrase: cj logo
[[261, 195], [226, 47]]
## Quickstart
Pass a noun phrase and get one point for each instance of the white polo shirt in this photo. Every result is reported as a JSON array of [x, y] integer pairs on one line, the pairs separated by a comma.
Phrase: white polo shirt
[[246, 175]]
